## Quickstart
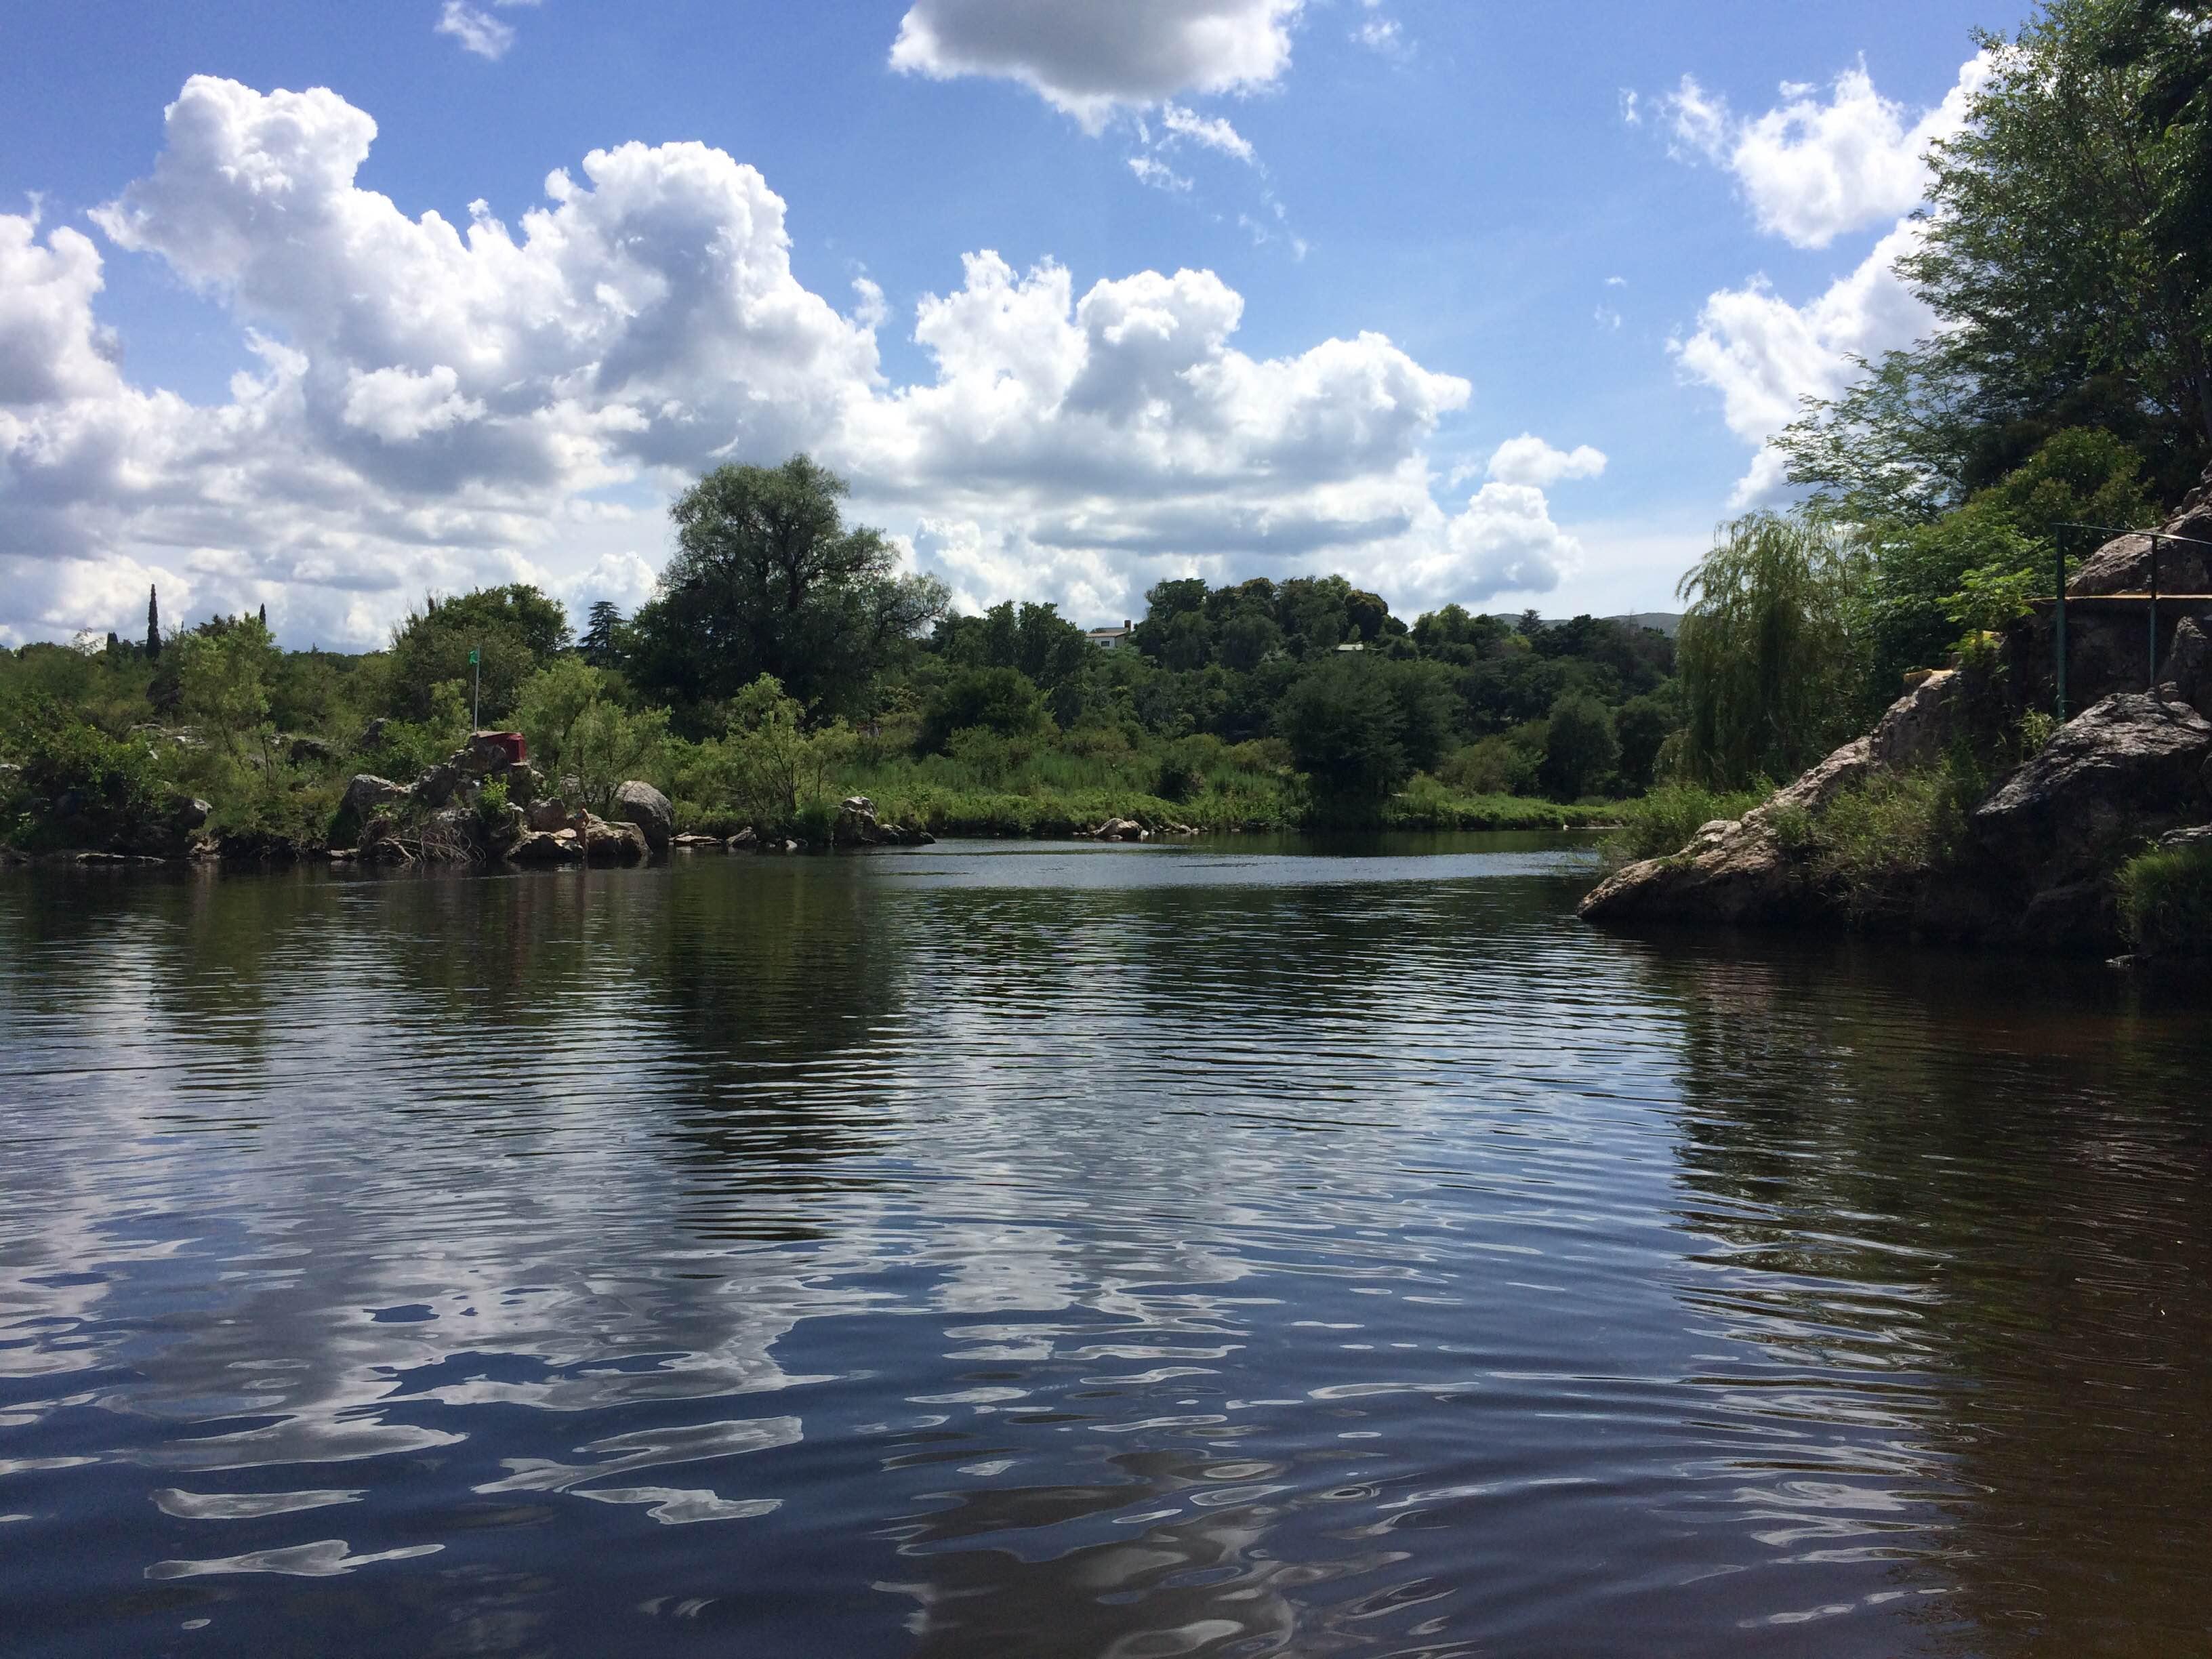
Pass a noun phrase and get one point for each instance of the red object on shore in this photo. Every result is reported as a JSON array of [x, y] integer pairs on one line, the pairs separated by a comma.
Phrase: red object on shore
[[516, 750]]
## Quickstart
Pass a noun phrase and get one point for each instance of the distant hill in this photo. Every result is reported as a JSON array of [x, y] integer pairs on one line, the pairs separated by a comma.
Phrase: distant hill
[[1664, 621]]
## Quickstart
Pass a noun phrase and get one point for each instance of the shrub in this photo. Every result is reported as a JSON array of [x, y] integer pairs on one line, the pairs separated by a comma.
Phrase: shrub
[[97, 787], [1580, 747], [1001, 699], [1491, 765], [1662, 823], [2166, 899]]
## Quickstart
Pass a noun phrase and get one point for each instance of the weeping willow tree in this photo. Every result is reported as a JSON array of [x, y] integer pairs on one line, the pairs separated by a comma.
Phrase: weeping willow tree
[[1770, 647]]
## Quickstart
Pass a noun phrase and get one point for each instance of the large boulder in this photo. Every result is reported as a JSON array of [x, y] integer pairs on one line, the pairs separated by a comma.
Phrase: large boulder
[[365, 793], [2130, 766], [1918, 729], [2123, 565], [435, 786], [541, 847], [621, 842], [1733, 871], [856, 824], [2188, 664], [642, 805]]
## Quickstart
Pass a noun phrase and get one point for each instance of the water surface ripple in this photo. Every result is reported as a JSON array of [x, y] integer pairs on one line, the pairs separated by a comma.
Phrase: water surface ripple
[[1037, 1251]]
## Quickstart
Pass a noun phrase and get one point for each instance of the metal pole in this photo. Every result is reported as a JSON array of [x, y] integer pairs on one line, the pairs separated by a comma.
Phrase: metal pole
[[476, 696], [2060, 631], [2150, 675]]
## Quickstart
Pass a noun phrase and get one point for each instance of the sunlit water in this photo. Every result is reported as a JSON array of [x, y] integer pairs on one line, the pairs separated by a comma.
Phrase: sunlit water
[[1020, 1250]]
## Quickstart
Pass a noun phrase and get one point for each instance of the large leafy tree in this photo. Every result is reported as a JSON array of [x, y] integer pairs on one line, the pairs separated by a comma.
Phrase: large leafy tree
[[768, 579], [2068, 254], [513, 630]]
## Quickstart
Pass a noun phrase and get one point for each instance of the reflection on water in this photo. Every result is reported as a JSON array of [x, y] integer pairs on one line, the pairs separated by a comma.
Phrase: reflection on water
[[1045, 1251]]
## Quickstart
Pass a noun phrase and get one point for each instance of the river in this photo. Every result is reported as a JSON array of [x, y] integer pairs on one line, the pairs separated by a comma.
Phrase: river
[[1238, 1249]]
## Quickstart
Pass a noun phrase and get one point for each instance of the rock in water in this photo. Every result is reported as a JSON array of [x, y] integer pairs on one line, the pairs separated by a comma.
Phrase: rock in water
[[2129, 765], [622, 842], [540, 847], [645, 806]]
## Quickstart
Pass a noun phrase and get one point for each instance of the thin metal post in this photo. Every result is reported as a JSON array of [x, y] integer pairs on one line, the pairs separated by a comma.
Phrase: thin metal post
[[2150, 678], [2061, 629]]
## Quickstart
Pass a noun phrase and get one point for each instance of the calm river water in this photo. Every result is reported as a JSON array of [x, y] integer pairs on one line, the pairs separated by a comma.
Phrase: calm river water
[[1019, 1250]]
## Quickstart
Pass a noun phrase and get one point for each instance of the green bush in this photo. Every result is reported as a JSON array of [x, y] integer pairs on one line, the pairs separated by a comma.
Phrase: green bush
[[2166, 900], [1662, 823], [98, 790]]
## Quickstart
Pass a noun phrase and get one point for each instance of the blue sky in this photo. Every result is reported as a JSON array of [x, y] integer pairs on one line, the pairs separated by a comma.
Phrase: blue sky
[[1477, 302]]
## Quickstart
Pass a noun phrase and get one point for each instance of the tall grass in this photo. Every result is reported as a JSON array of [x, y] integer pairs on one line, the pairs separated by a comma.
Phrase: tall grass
[[1662, 823], [2166, 900]]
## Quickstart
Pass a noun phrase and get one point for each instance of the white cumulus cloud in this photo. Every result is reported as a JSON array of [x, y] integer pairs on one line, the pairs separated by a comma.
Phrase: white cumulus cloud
[[1528, 459], [1814, 168], [433, 406], [1764, 355], [476, 30], [1092, 60]]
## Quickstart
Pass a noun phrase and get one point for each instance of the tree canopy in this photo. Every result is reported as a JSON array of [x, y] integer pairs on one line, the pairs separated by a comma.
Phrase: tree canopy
[[2068, 257], [769, 580]]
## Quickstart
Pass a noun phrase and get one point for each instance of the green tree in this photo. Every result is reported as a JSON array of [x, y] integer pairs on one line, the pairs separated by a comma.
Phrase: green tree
[[768, 579], [769, 764], [1344, 733], [513, 629], [223, 684], [1581, 748], [2068, 255], [1004, 700], [1770, 648], [602, 640]]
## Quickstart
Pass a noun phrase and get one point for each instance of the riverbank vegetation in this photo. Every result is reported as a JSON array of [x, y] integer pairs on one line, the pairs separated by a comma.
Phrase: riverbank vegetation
[[785, 662]]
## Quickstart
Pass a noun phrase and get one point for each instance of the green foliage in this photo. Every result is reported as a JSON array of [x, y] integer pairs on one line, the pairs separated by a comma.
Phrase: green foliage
[[767, 767], [1494, 765], [2068, 258], [222, 683], [1664, 821], [409, 747], [1581, 748], [514, 630], [606, 745], [1002, 700], [2166, 899], [1871, 842], [549, 702], [98, 790], [769, 580], [1344, 727], [1769, 650]]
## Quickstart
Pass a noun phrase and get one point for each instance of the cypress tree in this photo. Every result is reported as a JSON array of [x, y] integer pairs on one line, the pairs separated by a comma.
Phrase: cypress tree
[[153, 621]]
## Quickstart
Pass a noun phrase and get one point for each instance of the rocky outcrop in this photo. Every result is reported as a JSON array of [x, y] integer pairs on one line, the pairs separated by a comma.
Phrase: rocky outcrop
[[2041, 849], [645, 806], [367, 793], [2129, 769], [2123, 565], [857, 826]]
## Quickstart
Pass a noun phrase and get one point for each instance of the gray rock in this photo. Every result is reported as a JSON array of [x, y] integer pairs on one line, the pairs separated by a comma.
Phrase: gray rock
[[642, 805], [743, 839], [542, 847], [365, 793], [1733, 873], [1917, 729], [856, 824], [2128, 766], [2123, 565], [312, 752], [2188, 664], [549, 815], [524, 781], [435, 786], [621, 842]]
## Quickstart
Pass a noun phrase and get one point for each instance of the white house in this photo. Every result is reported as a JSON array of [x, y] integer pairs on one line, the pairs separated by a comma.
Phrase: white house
[[1110, 638]]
